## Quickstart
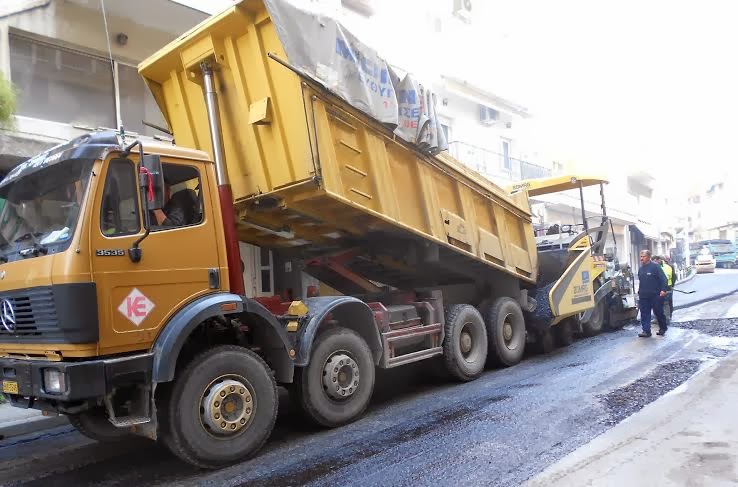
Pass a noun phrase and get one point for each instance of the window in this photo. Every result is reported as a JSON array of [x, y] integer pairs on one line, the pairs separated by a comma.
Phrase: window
[[62, 85], [506, 163], [137, 103], [67, 86], [266, 268], [120, 214], [182, 202]]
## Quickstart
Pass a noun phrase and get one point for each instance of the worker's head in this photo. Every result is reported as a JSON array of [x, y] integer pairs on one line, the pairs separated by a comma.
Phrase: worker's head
[[657, 259], [645, 257]]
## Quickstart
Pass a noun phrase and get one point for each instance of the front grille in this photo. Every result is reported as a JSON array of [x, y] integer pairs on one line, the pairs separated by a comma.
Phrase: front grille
[[35, 313], [64, 313]]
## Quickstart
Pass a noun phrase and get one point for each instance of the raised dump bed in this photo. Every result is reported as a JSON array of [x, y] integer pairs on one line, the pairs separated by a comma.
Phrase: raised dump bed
[[312, 173]]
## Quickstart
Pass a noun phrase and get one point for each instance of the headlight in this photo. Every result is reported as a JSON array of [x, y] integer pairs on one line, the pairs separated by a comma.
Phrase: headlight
[[54, 381]]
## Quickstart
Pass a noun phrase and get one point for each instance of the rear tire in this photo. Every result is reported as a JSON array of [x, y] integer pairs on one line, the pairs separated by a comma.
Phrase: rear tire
[[94, 424], [545, 342], [615, 325], [596, 321], [227, 385], [336, 386], [464, 342], [564, 333], [506, 331]]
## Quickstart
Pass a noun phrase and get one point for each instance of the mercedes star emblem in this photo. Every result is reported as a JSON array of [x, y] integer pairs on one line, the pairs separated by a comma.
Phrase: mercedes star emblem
[[7, 315]]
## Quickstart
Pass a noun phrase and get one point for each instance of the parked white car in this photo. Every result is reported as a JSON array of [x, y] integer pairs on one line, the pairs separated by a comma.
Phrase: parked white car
[[705, 261]]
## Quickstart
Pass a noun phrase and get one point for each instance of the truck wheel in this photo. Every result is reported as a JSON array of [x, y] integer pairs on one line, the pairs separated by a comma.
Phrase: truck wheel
[[94, 424], [221, 408], [464, 342], [615, 325], [596, 321], [506, 331], [338, 382], [563, 333], [545, 342]]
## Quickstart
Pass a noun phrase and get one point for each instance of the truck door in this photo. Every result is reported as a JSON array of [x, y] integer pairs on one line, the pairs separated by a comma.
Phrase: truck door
[[179, 257]]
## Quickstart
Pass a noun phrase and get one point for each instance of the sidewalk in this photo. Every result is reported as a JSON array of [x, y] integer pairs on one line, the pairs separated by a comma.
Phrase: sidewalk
[[17, 421], [686, 438]]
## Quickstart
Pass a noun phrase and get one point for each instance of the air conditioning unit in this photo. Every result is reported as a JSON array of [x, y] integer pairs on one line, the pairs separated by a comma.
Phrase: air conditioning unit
[[487, 115], [462, 9]]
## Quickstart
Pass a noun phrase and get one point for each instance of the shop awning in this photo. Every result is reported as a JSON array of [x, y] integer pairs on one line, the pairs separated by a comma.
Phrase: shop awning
[[648, 230]]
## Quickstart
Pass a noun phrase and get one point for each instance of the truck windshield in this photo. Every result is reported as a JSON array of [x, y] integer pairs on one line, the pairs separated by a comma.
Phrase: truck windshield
[[39, 211]]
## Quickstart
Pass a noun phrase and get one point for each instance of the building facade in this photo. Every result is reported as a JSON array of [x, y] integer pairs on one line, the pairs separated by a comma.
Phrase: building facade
[[712, 212], [486, 131], [75, 68]]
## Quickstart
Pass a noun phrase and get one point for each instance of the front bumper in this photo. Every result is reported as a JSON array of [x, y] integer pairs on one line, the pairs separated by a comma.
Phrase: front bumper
[[83, 380]]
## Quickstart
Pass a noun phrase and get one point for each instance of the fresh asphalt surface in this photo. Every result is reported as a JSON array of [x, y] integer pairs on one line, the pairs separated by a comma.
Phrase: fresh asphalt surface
[[419, 430]]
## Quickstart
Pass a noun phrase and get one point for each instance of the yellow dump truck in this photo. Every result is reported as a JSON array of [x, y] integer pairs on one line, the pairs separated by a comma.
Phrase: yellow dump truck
[[121, 291]]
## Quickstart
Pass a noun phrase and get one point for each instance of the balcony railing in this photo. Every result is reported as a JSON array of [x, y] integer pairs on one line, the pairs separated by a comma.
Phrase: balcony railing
[[495, 165]]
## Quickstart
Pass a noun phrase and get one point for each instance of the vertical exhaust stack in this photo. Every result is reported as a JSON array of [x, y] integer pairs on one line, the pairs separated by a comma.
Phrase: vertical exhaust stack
[[225, 194]]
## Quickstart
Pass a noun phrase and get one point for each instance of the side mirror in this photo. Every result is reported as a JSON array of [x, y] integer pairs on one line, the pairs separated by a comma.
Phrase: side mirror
[[151, 178]]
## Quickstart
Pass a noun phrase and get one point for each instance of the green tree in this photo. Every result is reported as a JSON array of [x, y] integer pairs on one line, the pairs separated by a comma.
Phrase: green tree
[[8, 99]]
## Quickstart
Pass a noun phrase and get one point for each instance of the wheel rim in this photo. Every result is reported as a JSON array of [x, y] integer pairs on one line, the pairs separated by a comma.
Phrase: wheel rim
[[507, 330], [465, 342], [340, 376], [509, 338], [227, 406], [469, 342]]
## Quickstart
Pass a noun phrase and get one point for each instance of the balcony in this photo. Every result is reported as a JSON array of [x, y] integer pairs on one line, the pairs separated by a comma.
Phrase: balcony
[[494, 165]]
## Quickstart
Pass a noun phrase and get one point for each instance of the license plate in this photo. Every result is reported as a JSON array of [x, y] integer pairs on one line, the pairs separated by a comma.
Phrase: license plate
[[10, 387]]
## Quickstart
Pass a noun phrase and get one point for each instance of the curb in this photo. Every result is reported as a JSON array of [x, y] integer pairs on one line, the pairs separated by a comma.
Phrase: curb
[[31, 425], [706, 300], [688, 278]]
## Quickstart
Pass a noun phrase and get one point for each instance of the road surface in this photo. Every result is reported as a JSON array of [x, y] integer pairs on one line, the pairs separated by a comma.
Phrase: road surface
[[499, 430], [706, 287]]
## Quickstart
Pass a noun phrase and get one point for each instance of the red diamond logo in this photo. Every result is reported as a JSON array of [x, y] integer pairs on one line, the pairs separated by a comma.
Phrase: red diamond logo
[[136, 307]]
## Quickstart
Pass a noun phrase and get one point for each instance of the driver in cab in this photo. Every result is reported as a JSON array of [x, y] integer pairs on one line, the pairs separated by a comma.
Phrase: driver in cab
[[180, 209]]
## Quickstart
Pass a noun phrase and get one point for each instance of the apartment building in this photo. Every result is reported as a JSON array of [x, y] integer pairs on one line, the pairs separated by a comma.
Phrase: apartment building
[[75, 72]]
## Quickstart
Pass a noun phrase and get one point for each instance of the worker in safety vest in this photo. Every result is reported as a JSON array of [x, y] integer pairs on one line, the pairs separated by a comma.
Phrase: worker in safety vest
[[670, 281]]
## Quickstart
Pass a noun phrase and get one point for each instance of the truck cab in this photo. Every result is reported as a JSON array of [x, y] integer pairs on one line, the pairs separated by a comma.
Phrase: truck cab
[[103, 248], [71, 216]]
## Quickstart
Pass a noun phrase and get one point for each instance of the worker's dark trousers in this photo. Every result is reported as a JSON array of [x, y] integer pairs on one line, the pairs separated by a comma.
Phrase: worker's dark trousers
[[648, 303]]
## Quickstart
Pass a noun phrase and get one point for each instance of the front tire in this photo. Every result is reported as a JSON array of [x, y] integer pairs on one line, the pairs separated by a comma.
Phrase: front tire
[[506, 331], [94, 424], [596, 321], [337, 384], [464, 342], [221, 408]]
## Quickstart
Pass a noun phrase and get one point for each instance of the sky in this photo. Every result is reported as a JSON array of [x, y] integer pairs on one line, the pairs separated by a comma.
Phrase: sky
[[624, 85], [632, 84]]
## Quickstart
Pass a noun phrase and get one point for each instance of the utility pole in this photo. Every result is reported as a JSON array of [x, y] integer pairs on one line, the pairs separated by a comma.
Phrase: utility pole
[[686, 246]]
